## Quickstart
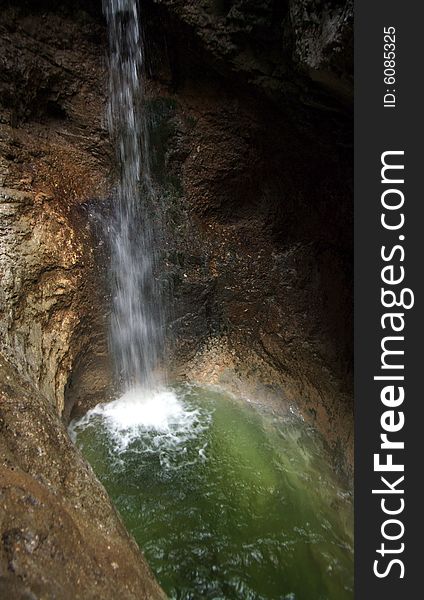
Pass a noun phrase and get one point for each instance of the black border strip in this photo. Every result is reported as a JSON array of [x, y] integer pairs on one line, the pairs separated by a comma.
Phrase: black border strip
[[379, 129]]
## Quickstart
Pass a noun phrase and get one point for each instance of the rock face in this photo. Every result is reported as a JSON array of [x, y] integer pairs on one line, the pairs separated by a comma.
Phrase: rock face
[[59, 535], [277, 46], [252, 130], [253, 126], [54, 158]]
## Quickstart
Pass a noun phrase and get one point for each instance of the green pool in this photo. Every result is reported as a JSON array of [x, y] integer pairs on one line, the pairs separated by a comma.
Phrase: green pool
[[225, 500]]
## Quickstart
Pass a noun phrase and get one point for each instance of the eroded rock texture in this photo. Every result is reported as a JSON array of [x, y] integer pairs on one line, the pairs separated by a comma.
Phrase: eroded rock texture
[[59, 535], [252, 106], [54, 159]]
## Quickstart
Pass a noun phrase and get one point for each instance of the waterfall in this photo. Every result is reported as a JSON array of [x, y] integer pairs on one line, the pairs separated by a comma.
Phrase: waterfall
[[137, 336]]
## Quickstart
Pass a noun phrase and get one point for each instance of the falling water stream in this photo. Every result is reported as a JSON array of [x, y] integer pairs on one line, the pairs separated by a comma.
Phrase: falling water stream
[[137, 313], [226, 500]]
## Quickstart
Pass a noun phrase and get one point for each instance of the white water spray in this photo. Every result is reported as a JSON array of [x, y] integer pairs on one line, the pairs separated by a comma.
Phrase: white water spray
[[137, 325]]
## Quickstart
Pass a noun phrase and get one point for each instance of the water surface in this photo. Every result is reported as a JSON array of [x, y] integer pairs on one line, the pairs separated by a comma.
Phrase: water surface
[[226, 501]]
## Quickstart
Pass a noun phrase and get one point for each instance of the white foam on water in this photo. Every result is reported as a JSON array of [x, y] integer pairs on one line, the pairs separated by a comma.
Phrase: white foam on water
[[159, 420], [158, 410]]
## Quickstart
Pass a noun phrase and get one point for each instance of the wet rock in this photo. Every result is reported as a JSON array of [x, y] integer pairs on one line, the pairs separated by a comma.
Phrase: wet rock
[[52, 163], [259, 147], [59, 535], [263, 233]]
